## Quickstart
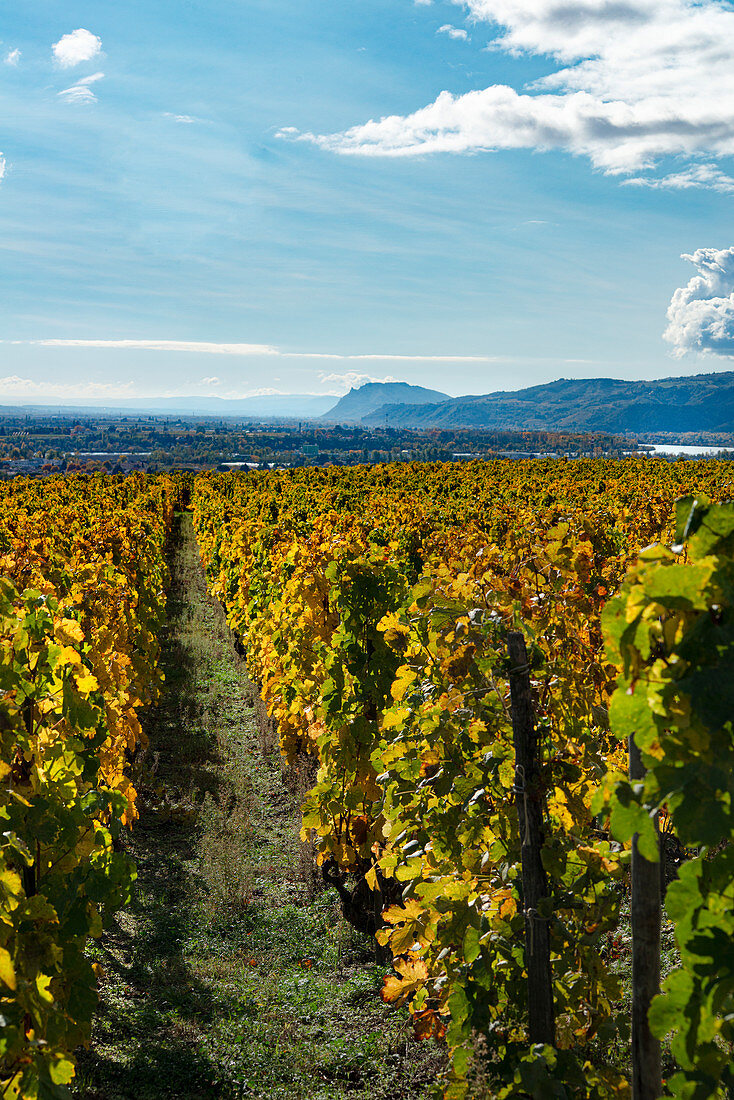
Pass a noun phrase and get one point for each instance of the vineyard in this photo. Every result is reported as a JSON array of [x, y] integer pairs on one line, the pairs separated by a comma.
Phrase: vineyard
[[506, 690]]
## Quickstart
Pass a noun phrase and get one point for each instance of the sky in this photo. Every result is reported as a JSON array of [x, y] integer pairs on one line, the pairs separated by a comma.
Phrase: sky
[[237, 197]]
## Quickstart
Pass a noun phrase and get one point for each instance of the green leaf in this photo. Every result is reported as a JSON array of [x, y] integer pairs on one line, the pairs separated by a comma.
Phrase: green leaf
[[471, 944], [629, 819], [667, 1011], [714, 532], [630, 713], [458, 1005]]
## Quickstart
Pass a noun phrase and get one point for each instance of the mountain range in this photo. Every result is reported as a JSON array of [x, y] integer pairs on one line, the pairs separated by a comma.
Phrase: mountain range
[[289, 406], [703, 402]]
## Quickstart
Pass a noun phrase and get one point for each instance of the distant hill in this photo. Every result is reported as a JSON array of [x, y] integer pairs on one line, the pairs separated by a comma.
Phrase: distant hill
[[361, 401], [268, 406], [703, 402]]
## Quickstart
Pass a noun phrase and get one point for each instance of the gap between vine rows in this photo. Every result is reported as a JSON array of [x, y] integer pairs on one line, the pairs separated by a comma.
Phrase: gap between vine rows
[[227, 977]]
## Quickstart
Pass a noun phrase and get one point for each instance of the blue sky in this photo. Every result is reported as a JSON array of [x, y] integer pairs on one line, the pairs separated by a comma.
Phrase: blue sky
[[192, 202]]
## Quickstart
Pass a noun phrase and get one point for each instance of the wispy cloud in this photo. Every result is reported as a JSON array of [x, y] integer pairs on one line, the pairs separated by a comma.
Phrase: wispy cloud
[[187, 120], [78, 94], [16, 387], [74, 48], [12, 385], [12, 57], [706, 176], [636, 81], [381, 357], [81, 92], [453, 32], [202, 347], [701, 314], [212, 348]]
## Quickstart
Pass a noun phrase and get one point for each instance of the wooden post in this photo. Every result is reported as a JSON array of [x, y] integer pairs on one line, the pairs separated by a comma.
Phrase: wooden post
[[542, 1027], [647, 1081]]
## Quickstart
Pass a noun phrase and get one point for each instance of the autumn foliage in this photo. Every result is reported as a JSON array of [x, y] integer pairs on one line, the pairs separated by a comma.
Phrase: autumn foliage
[[81, 607], [374, 604]]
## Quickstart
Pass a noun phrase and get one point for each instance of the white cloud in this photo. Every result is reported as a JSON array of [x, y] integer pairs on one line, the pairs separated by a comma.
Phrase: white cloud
[[78, 94], [263, 391], [206, 348], [637, 80], [698, 175], [3, 166], [12, 385], [211, 348], [381, 357], [81, 92], [453, 32], [72, 49], [187, 120], [350, 379], [701, 314], [212, 380], [12, 57], [18, 388]]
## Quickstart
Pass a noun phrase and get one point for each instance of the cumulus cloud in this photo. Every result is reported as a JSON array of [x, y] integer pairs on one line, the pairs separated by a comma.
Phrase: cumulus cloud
[[12, 57], [453, 32], [3, 166], [701, 314], [350, 379], [635, 81], [212, 380], [72, 49]]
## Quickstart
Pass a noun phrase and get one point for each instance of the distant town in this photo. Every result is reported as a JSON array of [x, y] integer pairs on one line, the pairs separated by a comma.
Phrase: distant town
[[41, 445]]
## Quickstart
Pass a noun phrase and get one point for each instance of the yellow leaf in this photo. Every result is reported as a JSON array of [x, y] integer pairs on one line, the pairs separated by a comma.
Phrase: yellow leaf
[[86, 682], [68, 631], [404, 678], [411, 910], [43, 981], [61, 1070], [68, 656], [7, 970], [411, 976], [395, 718]]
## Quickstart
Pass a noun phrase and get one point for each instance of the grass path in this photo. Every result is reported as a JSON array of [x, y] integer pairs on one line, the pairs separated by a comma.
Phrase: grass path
[[222, 978]]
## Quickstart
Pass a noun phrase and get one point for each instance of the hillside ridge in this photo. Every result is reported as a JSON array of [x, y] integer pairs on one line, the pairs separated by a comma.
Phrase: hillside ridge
[[703, 402], [364, 400]]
